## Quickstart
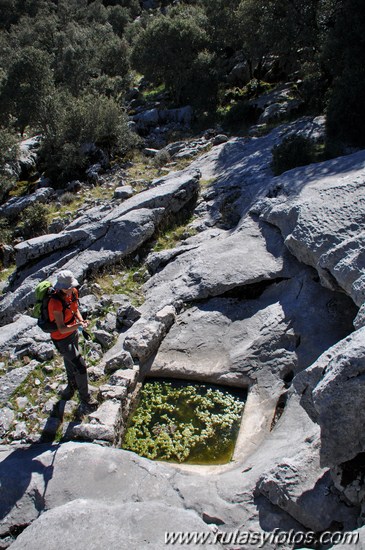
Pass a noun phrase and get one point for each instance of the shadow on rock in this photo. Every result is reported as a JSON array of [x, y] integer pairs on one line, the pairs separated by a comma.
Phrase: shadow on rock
[[16, 478]]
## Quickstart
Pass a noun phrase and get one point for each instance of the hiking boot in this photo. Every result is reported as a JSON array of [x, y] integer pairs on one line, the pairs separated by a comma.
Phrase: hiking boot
[[89, 405], [67, 393]]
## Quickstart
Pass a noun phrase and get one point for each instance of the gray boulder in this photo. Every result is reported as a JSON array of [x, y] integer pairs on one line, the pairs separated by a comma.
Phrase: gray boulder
[[220, 138], [300, 487], [28, 156], [125, 377], [16, 205], [121, 360], [127, 526], [332, 392], [123, 192], [12, 380], [89, 304], [127, 314], [107, 391], [146, 119], [182, 115], [240, 74], [13, 331], [153, 117], [108, 323], [320, 218], [143, 339], [103, 423], [7, 417], [104, 338]]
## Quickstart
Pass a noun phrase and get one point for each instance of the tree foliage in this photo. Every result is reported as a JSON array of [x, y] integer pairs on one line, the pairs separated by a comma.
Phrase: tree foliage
[[29, 81], [280, 29], [342, 58], [8, 155], [74, 126], [167, 48], [56, 55]]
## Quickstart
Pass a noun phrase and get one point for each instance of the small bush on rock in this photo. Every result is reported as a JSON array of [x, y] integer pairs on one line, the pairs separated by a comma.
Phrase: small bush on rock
[[8, 155], [292, 152], [67, 198], [76, 128], [5, 232], [34, 221], [161, 158]]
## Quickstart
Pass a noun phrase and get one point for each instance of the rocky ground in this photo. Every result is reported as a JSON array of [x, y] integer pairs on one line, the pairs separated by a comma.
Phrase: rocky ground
[[264, 291]]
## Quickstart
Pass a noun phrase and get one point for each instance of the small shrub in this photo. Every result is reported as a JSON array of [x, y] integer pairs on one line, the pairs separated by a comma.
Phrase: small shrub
[[292, 152], [161, 158], [256, 87], [74, 122], [67, 198], [5, 232], [8, 154], [238, 115], [34, 221]]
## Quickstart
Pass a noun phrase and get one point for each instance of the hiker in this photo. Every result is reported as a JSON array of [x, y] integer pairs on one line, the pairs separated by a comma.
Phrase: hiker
[[63, 309]]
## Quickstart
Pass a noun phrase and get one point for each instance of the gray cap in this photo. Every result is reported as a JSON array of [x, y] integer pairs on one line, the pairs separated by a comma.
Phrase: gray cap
[[65, 280]]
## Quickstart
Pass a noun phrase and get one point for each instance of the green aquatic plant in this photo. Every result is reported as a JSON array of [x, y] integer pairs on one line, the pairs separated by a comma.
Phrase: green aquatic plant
[[184, 422]]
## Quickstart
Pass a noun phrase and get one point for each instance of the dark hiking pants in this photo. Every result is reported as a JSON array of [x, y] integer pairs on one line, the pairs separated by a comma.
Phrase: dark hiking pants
[[74, 363]]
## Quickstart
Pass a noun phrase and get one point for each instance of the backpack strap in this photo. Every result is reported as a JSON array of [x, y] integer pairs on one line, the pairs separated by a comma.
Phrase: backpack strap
[[65, 305]]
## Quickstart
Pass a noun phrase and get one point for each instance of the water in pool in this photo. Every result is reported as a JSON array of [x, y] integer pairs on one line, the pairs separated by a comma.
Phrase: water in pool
[[181, 421]]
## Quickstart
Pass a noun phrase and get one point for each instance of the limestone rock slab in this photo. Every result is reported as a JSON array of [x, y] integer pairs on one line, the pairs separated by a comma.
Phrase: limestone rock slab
[[320, 214], [246, 339], [143, 339], [128, 526], [332, 391], [11, 380], [14, 206], [303, 489], [252, 253]]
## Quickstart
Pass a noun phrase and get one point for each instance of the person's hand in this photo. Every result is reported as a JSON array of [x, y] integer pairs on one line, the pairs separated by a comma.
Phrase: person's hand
[[84, 324]]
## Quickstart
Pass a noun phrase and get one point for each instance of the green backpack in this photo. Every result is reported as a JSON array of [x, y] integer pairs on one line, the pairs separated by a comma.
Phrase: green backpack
[[44, 291]]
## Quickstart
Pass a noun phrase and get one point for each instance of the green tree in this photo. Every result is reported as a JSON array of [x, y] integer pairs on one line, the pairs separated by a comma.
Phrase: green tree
[[71, 123], [8, 154], [167, 48], [281, 29], [222, 25], [343, 56], [86, 53], [114, 57], [119, 17], [76, 61], [132, 5], [201, 88], [8, 13], [29, 81]]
